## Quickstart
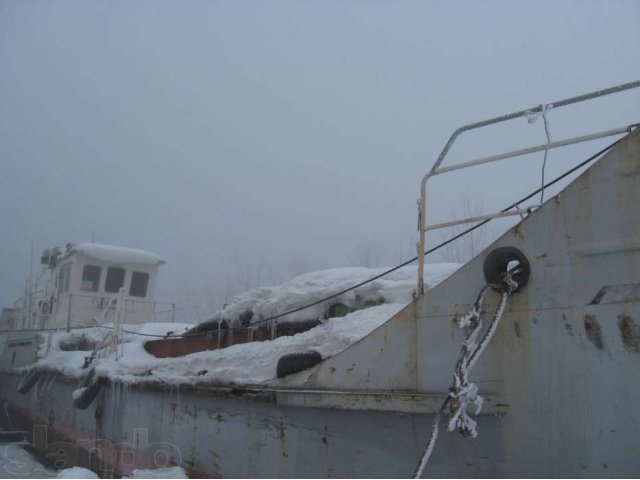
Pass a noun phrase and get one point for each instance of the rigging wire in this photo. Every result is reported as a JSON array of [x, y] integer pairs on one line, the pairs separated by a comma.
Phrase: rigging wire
[[364, 282], [546, 152]]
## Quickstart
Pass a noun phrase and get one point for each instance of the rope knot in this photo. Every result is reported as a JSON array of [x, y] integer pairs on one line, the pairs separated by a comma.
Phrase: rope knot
[[460, 398], [464, 394], [510, 285]]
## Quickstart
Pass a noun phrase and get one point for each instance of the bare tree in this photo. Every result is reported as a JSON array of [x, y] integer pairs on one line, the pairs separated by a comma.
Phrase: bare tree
[[368, 253], [405, 247], [297, 263], [465, 248]]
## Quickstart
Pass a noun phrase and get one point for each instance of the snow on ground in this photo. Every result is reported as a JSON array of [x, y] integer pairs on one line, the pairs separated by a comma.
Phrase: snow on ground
[[77, 472], [167, 472], [16, 462], [255, 362]]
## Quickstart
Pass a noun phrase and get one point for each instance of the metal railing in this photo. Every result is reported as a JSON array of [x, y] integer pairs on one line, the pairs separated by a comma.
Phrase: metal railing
[[537, 110], [157, 311]]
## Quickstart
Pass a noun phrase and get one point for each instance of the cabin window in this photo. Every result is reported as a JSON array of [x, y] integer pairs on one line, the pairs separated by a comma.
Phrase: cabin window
[[63, 278], [67, 277], [115, 279], [139, 282], [90, 278]]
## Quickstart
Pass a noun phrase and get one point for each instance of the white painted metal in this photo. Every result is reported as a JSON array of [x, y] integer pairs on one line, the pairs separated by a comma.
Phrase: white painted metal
[[115, 336], [435, 170], [534, 149], [479, 218], [52, 305]]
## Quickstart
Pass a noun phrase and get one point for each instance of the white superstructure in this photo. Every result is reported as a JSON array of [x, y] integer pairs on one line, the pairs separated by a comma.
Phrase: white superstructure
[[83, 285]]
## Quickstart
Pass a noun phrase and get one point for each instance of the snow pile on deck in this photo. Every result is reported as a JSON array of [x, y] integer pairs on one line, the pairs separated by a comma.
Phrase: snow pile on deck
[[53, 346], [109, 253], [247, 363], [266, 302], [250, 363]]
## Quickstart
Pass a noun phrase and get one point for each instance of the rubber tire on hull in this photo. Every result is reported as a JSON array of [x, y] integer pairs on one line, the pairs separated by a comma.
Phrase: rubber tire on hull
[[297, 362], [90, 393], [496, 262], [87, 377], [28, 381]]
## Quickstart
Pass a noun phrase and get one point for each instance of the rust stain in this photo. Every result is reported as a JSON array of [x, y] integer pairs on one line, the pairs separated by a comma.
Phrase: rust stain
[[630, 333], [281, 436], [518, 233], [593, 331], [567, 325]]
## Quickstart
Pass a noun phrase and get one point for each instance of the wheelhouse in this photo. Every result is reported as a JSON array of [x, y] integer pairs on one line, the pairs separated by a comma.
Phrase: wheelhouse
[[86, 281]]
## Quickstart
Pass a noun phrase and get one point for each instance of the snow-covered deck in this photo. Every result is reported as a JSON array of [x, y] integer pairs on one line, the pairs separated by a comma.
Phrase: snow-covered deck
[[249, 363]]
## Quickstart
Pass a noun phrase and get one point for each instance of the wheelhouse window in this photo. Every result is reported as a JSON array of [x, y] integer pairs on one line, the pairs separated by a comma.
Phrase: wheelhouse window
[[90, 278], [115, 279], [139, 283], [64, 278]]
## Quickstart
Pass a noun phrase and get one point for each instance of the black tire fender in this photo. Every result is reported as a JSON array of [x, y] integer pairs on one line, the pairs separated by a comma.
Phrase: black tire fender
[[496, 263], [29, 380], [88, 394], [87, 377], [297, 362]]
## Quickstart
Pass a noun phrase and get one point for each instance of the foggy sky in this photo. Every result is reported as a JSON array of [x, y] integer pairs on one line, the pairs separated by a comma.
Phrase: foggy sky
[[249, 141]]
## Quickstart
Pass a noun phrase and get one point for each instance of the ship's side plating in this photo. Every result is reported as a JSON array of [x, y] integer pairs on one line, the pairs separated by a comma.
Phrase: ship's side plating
[[559, 376], [561, 368]]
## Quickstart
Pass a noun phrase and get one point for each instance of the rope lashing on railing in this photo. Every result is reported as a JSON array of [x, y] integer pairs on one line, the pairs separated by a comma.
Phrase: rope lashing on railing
[[532, 117], [463, 393]]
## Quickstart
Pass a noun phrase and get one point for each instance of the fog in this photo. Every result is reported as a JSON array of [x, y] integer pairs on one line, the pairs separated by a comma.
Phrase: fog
[[247, 142]]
